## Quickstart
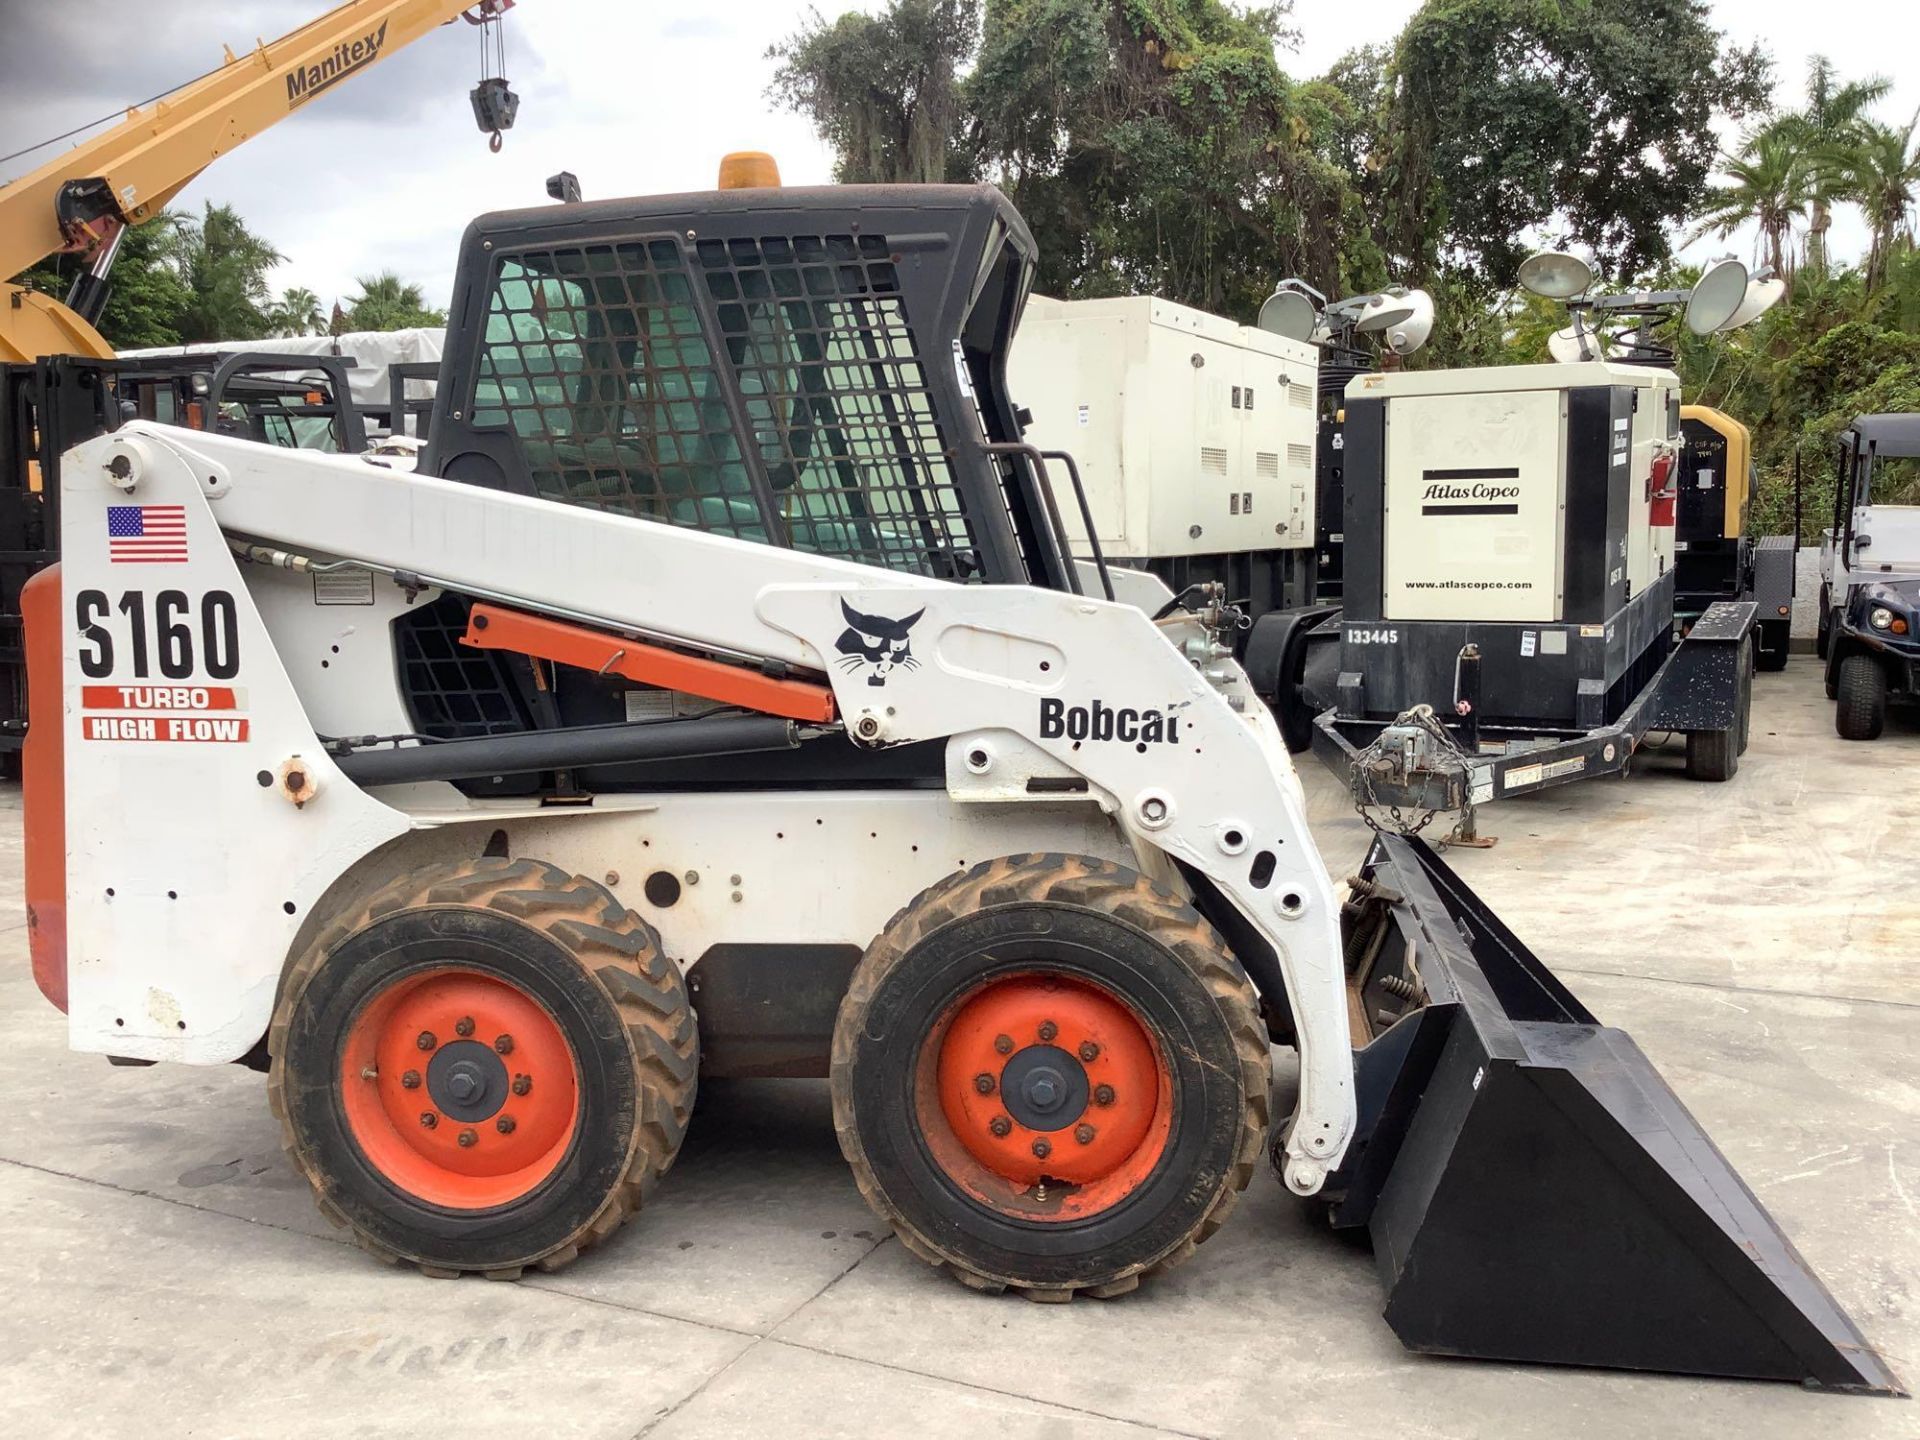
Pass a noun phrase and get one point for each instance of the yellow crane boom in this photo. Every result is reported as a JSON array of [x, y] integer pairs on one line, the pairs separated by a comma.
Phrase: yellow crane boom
[[80, 202]]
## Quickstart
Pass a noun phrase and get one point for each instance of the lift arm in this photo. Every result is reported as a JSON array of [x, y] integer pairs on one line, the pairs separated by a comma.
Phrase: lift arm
[[79, 202]]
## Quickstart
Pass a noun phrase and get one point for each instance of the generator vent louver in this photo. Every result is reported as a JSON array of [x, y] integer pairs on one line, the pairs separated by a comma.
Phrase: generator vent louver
[[1213, 460], [1301, 395], [1266, 465], [1301, 455]]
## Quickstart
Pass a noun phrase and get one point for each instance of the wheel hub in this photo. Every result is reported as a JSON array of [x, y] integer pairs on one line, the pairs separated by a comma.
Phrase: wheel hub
[[466, 1123], [1044, 1088], [1045, 1096], [467, 1081]]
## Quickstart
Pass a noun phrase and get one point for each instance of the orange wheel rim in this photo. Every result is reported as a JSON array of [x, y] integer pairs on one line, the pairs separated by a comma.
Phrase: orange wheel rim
[[1044, 1097], [459, 1088]]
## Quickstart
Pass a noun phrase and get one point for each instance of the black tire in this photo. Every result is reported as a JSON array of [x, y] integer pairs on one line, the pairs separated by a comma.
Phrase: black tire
[[1861, 710], [1745, 725], [1295, 715], [1063, 921], [538, 937], [1713, 754], [1775, 645], [1823, 631], [1832, 680]]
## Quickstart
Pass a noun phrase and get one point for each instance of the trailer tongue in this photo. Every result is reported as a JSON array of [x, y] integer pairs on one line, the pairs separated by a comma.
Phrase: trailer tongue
[[1533, 1189]]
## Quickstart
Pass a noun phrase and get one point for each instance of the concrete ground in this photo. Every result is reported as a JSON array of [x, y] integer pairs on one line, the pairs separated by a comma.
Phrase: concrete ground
[[166, 1274]]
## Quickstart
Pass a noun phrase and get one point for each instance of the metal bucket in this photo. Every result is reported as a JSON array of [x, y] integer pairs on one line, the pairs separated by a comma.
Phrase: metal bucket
[[1533, 1189]]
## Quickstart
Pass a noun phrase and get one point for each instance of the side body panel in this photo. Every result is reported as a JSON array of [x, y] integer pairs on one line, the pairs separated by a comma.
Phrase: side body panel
[[1475, 495], [1195, 436]]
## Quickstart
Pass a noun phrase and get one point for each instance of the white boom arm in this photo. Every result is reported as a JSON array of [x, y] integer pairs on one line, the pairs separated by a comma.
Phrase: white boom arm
[[1019, 681]]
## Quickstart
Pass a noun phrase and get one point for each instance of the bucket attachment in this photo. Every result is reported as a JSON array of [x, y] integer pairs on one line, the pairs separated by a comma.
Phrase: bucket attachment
[[1534, 1190]]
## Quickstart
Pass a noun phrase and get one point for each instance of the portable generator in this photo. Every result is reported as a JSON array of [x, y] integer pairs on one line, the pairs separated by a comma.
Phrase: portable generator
[[1194, 438], [1716, 554], [1509, 566]]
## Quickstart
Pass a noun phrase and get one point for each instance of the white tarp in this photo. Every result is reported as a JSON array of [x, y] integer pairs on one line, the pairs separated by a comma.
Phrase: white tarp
[[372, 351]]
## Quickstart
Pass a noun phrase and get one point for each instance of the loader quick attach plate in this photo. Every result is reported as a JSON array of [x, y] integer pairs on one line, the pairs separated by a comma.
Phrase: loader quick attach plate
[[1534, 1190]]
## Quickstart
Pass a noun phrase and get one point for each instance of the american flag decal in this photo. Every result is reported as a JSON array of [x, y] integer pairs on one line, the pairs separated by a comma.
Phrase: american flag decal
[[147, 534]]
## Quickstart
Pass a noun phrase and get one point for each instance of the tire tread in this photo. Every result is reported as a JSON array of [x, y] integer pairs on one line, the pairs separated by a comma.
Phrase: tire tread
[[1110, 889], [616, 946]]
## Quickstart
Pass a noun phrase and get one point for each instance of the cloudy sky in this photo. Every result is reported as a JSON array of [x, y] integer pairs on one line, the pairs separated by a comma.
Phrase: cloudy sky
[[636, 98]]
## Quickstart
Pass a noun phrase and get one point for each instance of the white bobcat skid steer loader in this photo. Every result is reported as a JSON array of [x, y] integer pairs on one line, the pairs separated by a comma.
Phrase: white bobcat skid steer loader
[[718, 697]]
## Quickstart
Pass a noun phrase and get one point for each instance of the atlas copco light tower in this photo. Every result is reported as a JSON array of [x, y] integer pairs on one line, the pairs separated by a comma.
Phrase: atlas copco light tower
[[719, 697], [1510, 596]]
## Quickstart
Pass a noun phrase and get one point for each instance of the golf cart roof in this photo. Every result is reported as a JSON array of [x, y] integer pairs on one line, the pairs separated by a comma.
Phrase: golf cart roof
[[1891, 436]]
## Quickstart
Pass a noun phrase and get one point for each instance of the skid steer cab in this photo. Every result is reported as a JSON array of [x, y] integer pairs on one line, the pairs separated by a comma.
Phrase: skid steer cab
[[718, 697]]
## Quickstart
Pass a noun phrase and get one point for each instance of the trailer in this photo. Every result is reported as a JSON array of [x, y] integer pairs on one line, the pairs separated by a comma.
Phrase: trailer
[[1509, 594]]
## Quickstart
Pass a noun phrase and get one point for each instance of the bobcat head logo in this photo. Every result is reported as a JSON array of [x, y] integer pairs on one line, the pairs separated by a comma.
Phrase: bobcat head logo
[[876, 644]]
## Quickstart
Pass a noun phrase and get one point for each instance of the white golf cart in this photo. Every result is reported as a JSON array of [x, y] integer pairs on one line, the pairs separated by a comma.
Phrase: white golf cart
[[1870, 574]]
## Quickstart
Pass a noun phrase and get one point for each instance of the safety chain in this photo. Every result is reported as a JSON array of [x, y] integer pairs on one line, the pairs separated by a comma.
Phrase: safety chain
[[1413, 820]]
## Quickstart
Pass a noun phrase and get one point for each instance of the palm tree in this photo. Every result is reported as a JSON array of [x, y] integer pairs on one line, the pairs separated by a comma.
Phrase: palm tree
[[1828, 131], [1769, 186], [386, 302], [224, 266], [1884, 177], [298, 312]]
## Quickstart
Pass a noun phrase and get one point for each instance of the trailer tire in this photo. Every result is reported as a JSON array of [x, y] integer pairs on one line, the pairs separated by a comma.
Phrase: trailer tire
[[1104, 1176], [1749, 659], [1713, 754], [538, 1023], [1861, 710], [1775, 644]]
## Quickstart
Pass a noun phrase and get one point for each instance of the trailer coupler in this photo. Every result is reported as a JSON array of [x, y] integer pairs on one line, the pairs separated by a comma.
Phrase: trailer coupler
[[1533, 1189]]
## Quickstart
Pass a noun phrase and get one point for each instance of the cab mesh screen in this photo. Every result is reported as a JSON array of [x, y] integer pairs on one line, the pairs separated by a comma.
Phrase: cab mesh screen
[[601, 359]]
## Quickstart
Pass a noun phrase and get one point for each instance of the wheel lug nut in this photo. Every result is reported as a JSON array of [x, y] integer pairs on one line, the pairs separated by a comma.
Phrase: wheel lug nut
[[1042, 1148], [1103, 1094], [426, 1040], [1048, 1029], [1000, 1126], [463, 1027], [504, 1044], [983, 1083], [1084, 1134], [410, 1080], [522, 1084], [429, 1119], [1003, 1043], [467, 1138], [1089, 1051], [504, 1124]]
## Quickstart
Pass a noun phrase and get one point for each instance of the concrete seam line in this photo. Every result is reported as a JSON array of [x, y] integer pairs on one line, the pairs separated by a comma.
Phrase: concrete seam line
[[1759, 990], [697, 1391], [547, 1286], [858, 1261], [985, 1389], [168, 1200]]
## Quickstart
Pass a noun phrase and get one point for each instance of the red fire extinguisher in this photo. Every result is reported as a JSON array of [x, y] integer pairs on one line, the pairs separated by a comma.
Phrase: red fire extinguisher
[[1663, 490]]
